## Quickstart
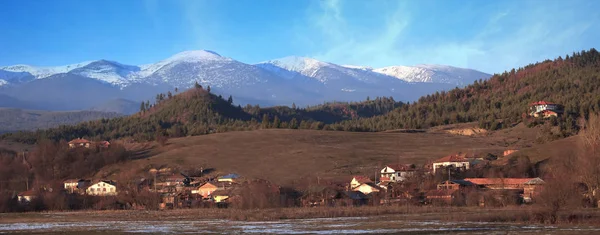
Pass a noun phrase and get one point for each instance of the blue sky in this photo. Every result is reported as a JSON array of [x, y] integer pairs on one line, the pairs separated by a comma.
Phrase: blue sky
[[491, 36]]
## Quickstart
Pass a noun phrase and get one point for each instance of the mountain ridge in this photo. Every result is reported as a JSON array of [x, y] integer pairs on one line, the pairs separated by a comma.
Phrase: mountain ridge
[[300, 80]]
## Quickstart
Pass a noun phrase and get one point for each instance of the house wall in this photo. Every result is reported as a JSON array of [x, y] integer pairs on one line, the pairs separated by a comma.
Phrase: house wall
[[101, 189], [25, 198], [354, 183], [455, 164], [366, 189]]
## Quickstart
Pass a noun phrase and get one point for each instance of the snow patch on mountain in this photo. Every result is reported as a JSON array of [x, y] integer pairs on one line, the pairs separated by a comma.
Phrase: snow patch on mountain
[[43, 72], [433, 74], [182, 57], [3, 82], [366, 68]]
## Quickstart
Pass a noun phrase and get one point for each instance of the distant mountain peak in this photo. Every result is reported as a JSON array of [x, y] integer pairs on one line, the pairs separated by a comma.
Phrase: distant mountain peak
[[433, 73]]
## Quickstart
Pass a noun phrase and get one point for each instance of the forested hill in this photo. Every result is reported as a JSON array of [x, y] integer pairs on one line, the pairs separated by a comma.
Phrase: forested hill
[[573, 81], [197, 112]]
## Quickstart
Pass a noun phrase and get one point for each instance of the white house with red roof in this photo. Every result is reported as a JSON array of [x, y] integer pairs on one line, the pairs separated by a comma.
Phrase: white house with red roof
[[544, 109], [358, 180], [397, 172], [457, 161]]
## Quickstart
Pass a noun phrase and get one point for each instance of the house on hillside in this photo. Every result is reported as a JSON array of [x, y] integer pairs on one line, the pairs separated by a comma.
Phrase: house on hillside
[[545, 109], [441, 196], [397, 172], [79, 142], [174, 180], [206, 189], [102, 188], [528, 188], [367, 188], [74, 185], [456, 184], [455, 160], [358, 180], [27, 196], [103, 144], [229, 178], [221, 195]]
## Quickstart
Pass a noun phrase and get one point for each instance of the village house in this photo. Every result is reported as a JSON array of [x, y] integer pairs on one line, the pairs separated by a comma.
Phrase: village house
[[368, 188], [455, 160], [358, 180], [230, 178], [221, 195], [79, 142], [456, 184], [205, 190], [104, 144], [397, 172], [441, 196], [73, 185], [27, 196], [174, 180], [102, 188], [527, 187], [509, 152], [545, 109]]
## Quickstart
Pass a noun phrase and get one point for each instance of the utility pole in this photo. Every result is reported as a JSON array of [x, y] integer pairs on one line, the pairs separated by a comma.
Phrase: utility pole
[[155, 182], [27, 182]]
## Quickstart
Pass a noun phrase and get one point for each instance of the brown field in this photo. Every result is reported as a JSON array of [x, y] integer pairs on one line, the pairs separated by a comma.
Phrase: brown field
[[284, 156]]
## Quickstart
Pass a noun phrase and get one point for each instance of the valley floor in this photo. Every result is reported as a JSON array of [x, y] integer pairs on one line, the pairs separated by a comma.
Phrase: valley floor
[[361, 220]]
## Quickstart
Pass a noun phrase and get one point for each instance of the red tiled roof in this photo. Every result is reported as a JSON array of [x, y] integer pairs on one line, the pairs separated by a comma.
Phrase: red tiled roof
[[362, 179], [505, 181], [451, 158], [541, 102], [27, 193], [401, 167], [71, 181], [208, 185], [384, 179], [79, 141]]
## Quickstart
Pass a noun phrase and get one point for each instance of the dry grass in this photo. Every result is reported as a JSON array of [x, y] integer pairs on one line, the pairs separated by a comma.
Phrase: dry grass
[[283, 156]]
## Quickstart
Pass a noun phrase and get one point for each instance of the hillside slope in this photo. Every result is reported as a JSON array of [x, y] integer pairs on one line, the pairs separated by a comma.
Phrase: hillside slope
[[291, 156], [19, 119], [573, 81]]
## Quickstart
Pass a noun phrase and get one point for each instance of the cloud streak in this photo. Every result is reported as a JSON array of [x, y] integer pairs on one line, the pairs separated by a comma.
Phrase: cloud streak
[[513, 36]]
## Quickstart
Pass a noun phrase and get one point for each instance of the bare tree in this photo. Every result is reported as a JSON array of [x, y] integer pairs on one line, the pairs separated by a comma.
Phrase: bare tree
[[588, 161]]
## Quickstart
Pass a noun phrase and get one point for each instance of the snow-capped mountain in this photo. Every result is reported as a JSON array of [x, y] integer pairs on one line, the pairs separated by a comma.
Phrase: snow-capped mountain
[[43, 72], [300, 80], [433, 74]]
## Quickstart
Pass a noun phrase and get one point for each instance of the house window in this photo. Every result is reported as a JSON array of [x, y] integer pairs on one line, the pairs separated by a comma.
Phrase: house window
[[103, 189]]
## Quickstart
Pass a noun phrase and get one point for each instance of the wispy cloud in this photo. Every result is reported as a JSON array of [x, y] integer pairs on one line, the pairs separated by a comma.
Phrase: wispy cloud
[[512, 35], [343, 42]]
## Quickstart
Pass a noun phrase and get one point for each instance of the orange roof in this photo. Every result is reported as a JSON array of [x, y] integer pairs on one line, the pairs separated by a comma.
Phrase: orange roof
[[541, 102], [79, 141], [208, 185], [27, 193], [384, 179], [362, 179], [451, 158], [501, 181]]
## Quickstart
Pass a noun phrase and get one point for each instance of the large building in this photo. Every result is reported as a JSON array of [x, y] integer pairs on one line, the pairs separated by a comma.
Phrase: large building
[[545, 109]]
